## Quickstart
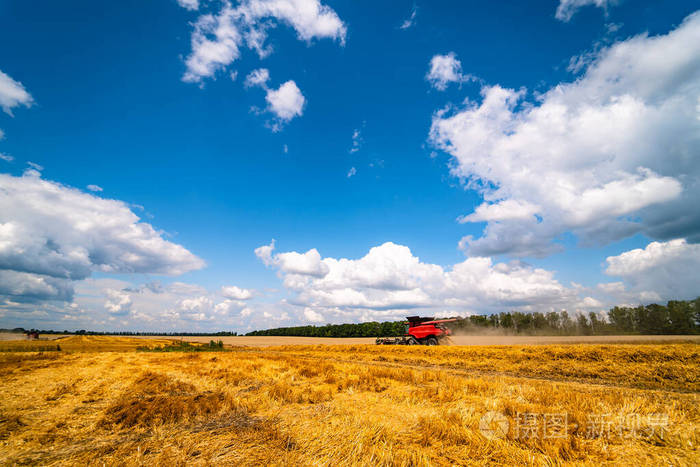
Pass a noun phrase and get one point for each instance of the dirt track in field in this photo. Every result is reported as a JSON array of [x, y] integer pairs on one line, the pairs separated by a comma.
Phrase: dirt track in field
[[14, 336], [265, 341]]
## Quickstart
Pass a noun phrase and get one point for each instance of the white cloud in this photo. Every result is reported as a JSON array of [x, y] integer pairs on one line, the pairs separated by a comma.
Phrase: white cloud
[[189, 4], [118, 302], [236, 293], [509, 209], [313, 316], [34, 166], [604, 157], [668, 270], [258, 77], [6, 157], [217, 39], [286, 102], [94, 188], [308, 264], [13, 94], [352, 172], [155, 306], [445, 69], [53, 230], [567, 8], [390, 280], [408, 23]]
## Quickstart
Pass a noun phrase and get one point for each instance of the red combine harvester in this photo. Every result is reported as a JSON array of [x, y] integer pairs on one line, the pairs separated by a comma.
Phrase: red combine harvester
[[420, 331]]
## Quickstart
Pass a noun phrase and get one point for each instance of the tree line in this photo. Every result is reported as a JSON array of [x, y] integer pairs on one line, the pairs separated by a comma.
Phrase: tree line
[[676, 317]]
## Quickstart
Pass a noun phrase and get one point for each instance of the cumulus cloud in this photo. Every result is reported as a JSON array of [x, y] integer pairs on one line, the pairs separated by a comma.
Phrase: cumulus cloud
[[189, 4], [258, 77], [307, 264], [217, 40], [157, 306], [313, 316], [286, 102], [661, 270], [445, 69], [13, 94], [51, 235], [118, 302], [567, 8], [605, 156], [236, 293], [390, 280]]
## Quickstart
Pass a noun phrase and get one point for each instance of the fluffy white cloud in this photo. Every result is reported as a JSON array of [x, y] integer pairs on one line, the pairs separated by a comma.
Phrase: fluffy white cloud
[[390, 280], [189, 4], [445, 69], [118, 302], [661, 271], [236, 293], [605, 156], [48, 230], [286, 102], [13, 94], [217, 39], [509, 209], [567, 8], [258, 77], [313, 316], [307, 264]]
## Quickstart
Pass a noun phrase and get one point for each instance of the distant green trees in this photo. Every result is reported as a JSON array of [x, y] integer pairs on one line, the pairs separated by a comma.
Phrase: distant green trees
[[370, 329], [676, 317]]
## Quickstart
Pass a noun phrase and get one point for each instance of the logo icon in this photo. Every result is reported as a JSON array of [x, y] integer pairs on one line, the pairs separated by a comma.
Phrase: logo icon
[[493, 425]]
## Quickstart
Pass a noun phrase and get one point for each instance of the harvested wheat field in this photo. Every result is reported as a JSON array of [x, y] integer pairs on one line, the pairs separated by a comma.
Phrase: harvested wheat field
[[107, 403]]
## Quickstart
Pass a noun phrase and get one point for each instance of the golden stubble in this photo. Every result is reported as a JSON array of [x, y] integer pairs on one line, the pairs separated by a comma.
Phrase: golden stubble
[[104, 403]]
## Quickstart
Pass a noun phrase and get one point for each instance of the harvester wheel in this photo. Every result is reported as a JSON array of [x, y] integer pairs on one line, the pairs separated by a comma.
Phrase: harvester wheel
[[431, 341], [411, 341]]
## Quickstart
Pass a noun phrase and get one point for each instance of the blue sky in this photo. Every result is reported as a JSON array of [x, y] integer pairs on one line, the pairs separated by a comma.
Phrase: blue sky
[[217, 169]]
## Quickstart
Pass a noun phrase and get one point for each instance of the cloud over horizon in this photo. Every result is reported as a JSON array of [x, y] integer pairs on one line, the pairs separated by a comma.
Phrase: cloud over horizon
[[51, 234]]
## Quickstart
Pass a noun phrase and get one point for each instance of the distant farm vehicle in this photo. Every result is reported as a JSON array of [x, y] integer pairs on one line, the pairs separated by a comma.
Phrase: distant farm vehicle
[[420, 331]]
